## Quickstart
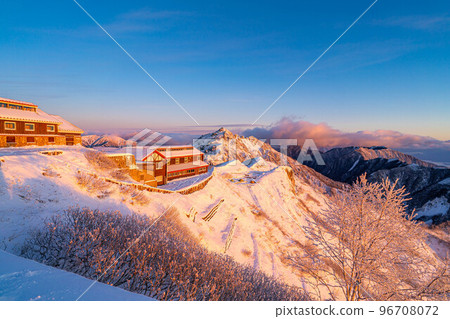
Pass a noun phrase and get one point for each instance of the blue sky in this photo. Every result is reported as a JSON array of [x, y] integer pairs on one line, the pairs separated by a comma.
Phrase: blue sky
[[226, 61]]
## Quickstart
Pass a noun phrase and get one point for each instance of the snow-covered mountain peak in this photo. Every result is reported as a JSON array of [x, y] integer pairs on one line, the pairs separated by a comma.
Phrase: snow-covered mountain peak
[[223, 146], [221, 133]]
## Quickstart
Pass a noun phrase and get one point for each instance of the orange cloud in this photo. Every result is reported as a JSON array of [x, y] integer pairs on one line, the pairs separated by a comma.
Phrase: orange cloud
[[325, 136]]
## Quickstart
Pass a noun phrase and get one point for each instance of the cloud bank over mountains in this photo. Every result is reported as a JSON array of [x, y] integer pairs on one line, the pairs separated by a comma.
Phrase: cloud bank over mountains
[[325, 136]]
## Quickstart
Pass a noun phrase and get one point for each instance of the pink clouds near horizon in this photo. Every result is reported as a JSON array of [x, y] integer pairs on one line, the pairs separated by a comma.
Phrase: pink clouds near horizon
[[326, 136]]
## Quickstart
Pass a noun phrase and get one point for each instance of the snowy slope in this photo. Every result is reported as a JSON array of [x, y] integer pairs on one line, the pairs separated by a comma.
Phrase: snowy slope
[[268, 202], [23, 279], [28, 197], [261, 205], [223, 146]]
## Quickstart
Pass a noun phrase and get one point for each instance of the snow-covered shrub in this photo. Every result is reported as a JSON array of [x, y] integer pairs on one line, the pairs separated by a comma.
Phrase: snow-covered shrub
[[135, 195], [246, 252], [119, 174], [105, 165], [159, 258], [100, 161], [92, 183]]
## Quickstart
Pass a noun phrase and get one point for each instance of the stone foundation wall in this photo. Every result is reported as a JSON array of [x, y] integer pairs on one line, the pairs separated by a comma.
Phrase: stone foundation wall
[[60, 140], [77, 140]]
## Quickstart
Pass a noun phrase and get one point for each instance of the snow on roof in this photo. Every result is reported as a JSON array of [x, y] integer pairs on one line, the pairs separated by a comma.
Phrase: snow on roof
[[16, 102], [66, 126], [21, 115], [112, 154], [171, 153], [167, 152], [185, 166], [39, 116], [176, 146]]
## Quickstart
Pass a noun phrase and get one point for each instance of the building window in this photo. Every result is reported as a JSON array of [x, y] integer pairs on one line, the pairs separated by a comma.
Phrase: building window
[[51, 139], [11, 139], [177, 161], [10, 125], [30, 139], [3, 105], [29, 127], [159, 165], [16, 107], [50, 128], [28, 108]]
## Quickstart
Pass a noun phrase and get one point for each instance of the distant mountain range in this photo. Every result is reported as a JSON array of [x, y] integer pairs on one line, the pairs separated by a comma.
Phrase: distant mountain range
[[103, 140], [348, 163], [428, 184]]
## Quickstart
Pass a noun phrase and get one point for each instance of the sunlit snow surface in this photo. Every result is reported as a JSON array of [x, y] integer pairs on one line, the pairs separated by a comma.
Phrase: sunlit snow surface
[[267, 204], [261, 197], [22, 279]]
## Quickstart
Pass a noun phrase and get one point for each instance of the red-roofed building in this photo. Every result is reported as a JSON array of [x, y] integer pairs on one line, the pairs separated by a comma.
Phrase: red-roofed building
[[171, 162], [24, 124]]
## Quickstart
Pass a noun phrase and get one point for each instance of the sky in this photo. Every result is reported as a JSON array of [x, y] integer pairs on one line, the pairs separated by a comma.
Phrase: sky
[[225, 62]]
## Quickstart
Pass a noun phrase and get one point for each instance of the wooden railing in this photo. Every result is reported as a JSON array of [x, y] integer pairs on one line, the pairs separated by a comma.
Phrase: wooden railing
[[196, 187], [185, 191]]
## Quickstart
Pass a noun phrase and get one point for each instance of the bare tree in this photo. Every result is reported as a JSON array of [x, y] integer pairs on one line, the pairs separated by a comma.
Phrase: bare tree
[[365, 246]]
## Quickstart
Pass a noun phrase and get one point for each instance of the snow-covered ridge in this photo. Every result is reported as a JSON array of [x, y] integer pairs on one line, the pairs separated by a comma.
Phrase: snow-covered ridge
[[423, 181], [223, 146], [368, 153]]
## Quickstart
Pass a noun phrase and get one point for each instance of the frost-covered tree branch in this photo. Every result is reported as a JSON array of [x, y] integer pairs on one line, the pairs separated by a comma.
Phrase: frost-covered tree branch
[[363, 245]]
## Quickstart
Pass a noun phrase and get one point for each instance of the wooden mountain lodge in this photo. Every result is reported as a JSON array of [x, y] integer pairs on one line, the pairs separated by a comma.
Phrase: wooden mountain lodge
[[24, 124], [162, 164], [172, 162]]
